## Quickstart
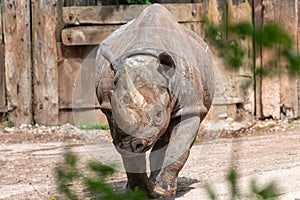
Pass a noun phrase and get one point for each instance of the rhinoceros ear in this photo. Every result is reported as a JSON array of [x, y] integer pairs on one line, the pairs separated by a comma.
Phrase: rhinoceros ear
[[112, 59], [166, 64], [166, 59]]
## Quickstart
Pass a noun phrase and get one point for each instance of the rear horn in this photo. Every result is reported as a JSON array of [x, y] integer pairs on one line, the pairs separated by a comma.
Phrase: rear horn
[[115, 62]]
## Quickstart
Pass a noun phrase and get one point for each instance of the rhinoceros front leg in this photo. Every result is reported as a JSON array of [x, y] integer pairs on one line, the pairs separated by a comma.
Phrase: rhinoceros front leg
[[134, 163], [135, 166], [172, 157]]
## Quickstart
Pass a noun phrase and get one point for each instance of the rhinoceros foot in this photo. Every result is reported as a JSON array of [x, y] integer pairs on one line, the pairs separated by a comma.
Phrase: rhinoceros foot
[[159, 192], [137, 180], [163, 187]]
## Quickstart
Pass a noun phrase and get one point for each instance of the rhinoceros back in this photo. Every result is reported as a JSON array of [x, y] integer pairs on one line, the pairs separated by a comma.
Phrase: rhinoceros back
[[155, 29]]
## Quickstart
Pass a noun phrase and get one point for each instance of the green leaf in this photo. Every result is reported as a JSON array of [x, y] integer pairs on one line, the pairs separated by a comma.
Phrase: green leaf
[[211, 193], [93, 126], [272, 34], [70, 158], [100, 169], [242, 29], [232, 179], [270, 191]]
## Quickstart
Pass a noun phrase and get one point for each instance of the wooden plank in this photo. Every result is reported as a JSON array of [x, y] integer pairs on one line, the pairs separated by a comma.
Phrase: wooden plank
[[298, 50], [2, 65], [87, 116], [197, 27], [94, 35], [77, 73], [81, 2], [238, 12], [1, 24], [226, 89], [279, 93], [59, 21], [70, 61], [86, 35], [2, 79], [258, 22], [16, 27], [214, 13], [288, 86], [44, 15], [270, 86], [77, 98], [213, 10], [125, 13]]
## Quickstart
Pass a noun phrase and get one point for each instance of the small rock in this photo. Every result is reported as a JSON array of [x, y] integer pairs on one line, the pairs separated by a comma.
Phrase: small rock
[[8, 129], [23, 126], [236, 126], [223, 116], [229, 119]]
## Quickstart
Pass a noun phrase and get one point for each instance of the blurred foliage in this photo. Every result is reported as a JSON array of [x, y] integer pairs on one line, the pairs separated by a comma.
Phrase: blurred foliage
[[9, 124], [6, 124], [93, 126], [126, 2], [95, 186], [269, 191], [138, 2], [226, 38]]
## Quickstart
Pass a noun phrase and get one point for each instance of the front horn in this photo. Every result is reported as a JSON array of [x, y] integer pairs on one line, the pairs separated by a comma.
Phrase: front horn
[[123, 115], [136, 98]]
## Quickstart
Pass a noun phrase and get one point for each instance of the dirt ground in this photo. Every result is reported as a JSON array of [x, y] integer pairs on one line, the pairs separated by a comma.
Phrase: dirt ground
[[264, 151]]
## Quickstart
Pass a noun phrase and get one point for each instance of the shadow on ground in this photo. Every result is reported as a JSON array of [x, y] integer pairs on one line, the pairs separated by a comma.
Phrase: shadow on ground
[[184, 186]]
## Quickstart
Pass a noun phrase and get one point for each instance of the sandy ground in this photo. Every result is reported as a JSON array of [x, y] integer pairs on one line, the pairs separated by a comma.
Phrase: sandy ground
[[29, 155]]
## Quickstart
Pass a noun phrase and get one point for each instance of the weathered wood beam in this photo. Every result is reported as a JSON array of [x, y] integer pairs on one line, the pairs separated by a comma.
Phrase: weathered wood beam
[[16, 31], [94, 35], [241, 12], [2, 78], [77, 97], [258, 23], [44, 15], [287, 17], [77, 71], [2, 66], [279, 93], [1, 23], [86, 35], [124, 13], [298, 50], [3, 110]]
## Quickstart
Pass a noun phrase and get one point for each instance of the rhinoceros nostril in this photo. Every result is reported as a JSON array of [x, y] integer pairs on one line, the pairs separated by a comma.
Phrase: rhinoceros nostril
[[138, 145]]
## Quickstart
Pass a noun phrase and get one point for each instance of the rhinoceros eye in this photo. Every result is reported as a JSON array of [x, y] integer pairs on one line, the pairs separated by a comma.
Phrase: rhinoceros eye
[[158, 117], [159, 114]]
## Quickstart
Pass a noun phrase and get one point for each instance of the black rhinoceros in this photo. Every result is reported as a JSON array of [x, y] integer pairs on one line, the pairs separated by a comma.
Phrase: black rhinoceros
[[155, 84]]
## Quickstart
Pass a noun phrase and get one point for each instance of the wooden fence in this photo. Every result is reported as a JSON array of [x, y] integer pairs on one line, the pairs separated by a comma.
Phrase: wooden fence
[[43, 44]]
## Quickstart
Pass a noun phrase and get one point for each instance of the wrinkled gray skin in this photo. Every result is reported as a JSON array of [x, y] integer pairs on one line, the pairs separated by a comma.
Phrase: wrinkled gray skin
[[154, 83]]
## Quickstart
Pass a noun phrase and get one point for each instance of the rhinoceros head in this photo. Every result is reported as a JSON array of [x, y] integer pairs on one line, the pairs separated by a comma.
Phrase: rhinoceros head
[[141, 99]]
